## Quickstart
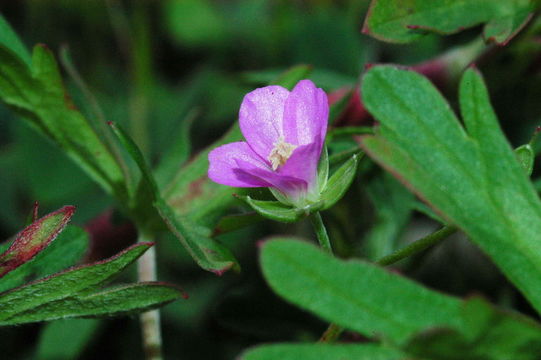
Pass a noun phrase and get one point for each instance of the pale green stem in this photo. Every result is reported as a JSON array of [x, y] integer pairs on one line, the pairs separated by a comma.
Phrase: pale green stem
[[150, 320]]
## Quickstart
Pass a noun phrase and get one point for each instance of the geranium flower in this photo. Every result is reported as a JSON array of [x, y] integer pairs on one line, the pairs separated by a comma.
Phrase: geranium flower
[[284, 132]]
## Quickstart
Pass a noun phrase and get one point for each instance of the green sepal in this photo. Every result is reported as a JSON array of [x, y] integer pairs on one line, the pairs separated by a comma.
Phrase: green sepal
[[278, 211], [323, 168], [339, 182], [525, 156]]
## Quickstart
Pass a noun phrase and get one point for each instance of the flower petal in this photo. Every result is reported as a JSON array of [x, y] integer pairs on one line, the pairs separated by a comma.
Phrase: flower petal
[[224, 169], [303, 162], [289, 185], [260, 118], [306, 114]]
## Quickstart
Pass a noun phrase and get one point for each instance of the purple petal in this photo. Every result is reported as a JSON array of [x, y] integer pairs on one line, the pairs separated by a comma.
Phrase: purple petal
[[289, 185], [224, 169], [306, 114], [260, 118], [303, 162]]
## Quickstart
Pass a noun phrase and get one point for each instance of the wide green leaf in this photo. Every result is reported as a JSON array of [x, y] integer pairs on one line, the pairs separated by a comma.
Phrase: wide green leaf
[[123, 300], [66, 284], [34, 238], [321, 352], [363, 297], [355, 294], [405, 21], [473, 179]]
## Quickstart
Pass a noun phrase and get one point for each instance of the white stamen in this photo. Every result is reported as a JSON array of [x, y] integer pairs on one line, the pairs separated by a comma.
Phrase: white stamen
[[280, 153]]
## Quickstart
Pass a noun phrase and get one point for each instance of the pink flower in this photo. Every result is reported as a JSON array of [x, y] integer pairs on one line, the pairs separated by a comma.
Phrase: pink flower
[[284, 132]]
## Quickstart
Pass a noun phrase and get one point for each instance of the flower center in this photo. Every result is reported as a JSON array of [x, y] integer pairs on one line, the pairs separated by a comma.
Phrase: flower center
[[280, 153]]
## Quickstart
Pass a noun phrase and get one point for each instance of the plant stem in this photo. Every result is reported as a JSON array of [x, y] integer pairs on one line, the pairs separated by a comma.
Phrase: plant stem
[[418, 246], [150, 320], [321, 232]]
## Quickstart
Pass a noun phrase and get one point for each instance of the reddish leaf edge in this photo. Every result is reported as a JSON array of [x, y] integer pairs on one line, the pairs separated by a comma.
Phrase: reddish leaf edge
[[75, 268], [20, 252]]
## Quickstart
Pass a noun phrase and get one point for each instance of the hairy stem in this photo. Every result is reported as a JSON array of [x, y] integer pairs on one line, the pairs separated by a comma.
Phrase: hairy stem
[[418, 246], [150, 320], [321, 232]]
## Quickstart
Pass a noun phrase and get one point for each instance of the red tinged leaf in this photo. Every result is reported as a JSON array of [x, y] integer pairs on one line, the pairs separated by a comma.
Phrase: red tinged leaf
[[34, 238]]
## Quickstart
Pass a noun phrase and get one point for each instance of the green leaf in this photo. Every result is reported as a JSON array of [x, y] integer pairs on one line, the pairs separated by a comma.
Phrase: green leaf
[[393, 205], [62, 253], [123, 300], [405, 21], [235, 222], [487, 337], [65, 339], [278, 211], [38, 95], [339, 182], [377, 303], [66, 284], [473, 179], [323, 168], [354, 294], [321, 352], [34, 239], [525, 156], [208, 253], [10, 40], [292, 76], [502, 29]]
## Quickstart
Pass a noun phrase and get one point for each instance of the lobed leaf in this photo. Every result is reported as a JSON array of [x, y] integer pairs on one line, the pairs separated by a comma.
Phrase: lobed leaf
[[404, 21], [123, 300], [472, 179], [34, 238], [67, 283], [377, 303]]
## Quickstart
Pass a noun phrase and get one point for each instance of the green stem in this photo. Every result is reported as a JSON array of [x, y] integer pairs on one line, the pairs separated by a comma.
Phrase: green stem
[[150, 320], [321, 232], [418, 246]]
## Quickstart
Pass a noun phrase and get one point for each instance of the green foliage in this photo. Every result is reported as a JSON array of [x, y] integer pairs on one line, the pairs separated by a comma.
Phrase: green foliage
[[321, 352], [65, 339], [339, 182], [34, 239], [62, 253], [405, 21], [208, 253], [73, 293], [379, 304], [278, 211], [472, 179], [36, 92]]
